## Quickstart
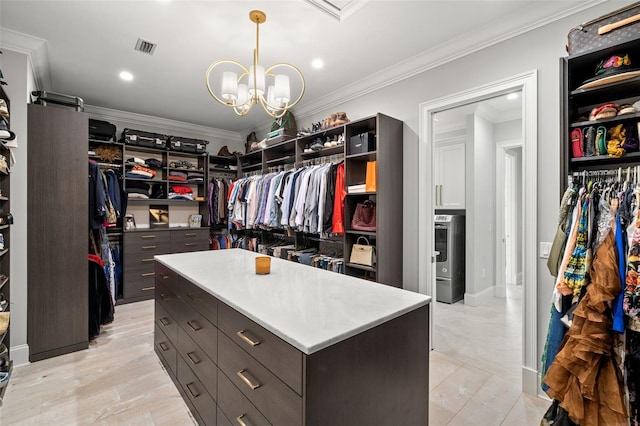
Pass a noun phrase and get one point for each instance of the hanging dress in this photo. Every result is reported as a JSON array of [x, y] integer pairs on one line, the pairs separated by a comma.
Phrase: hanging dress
[[584, 377]]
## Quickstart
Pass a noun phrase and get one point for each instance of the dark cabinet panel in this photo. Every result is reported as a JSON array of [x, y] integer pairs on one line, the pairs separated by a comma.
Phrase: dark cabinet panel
[[199, 362], [57, 200], [200, 300], [275, 400], [165, 348], [236, 406], [140, 246], [271, 351], [196, 394]]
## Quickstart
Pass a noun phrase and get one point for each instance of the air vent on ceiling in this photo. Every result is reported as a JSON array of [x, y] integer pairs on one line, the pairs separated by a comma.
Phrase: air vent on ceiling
[[145, 46]]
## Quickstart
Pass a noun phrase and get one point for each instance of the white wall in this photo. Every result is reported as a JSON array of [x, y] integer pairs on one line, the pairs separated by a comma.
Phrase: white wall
[[512, 131], [17, 73], [517, 152], [508, 131], [480, 276]]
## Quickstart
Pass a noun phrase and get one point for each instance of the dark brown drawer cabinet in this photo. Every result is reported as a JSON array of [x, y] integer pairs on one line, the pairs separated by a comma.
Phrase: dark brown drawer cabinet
[[196, 393], [274, 353], [138, 262], [199, 299], [166, 323], [140, 246], [196, 358], [193, 239], [165, 348], [199, 329], [232, 371], [238, 407], [279, 404]]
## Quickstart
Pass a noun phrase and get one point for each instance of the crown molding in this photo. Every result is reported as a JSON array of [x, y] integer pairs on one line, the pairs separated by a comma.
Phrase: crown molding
[[163, 124], [452, 50], [36, 50], [339, 13]]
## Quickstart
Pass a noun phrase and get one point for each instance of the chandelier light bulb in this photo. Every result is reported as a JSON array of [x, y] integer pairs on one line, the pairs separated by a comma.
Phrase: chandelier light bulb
[[256, 75], [229, 86], [282, 91], [243, 96]]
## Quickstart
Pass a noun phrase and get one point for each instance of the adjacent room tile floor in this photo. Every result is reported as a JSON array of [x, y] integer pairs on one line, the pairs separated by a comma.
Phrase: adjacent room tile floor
[[476, 367], [119, 380]]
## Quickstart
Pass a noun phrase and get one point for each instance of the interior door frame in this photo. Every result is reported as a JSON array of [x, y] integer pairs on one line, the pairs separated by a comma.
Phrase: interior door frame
[[501, 147], [527, 83]]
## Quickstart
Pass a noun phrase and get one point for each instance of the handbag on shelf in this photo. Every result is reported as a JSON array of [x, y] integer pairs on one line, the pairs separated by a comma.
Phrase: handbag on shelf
[[364, 218], [363, 254]]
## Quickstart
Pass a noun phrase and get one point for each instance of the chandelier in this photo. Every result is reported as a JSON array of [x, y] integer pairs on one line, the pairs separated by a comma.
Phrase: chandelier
[[269, 87]]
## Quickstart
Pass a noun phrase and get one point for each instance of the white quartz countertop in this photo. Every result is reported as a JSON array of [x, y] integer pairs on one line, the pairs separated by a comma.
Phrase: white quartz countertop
[[307, 307]]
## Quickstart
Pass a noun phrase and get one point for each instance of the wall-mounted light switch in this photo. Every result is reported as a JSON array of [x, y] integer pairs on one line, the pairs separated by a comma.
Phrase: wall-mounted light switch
[[545, 250]]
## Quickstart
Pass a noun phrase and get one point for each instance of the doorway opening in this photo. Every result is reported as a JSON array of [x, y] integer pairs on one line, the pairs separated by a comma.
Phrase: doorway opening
[[481, 268], [473, 307]]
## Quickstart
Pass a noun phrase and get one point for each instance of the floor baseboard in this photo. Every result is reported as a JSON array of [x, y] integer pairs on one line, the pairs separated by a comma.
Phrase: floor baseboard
[[477, 299]]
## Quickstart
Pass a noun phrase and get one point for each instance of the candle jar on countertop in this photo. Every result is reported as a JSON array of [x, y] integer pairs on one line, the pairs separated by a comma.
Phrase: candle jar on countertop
[[263, 265]]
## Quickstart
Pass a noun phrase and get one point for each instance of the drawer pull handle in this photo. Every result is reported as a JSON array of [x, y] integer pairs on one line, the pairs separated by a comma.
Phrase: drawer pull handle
[[148, 288], [246, 339], [146, 237], [165, 321], [147, 260], [193, 394], [239, 420], [148, 274], [195, 327], [164, 276], [163, 346], [194, 359], [148, 247], [189, 244], [246, 380], [190, 234], [192, 297]]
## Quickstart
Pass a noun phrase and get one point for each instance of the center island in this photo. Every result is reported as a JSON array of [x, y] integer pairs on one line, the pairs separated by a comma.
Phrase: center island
[[298, 346]]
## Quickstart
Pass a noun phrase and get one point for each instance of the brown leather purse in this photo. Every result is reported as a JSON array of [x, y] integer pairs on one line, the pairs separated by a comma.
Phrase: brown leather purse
[[364, 218]]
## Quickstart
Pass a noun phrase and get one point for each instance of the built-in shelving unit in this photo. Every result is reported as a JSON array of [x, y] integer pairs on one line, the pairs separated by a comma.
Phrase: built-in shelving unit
[[387, 152], [6, 365]]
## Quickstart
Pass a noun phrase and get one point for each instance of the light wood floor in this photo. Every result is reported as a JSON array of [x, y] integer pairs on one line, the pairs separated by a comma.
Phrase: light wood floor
[[119, 380]]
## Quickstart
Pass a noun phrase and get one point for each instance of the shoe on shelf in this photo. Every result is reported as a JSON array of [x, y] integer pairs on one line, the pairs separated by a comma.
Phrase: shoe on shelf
[[317, 145], [4, 358]]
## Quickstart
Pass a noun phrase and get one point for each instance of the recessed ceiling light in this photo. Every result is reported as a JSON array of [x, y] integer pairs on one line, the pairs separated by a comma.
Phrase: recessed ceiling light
[[126, 76], [512, 96], [317, 63]]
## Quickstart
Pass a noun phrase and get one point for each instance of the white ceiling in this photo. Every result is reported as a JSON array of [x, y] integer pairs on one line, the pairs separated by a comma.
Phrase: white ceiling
[[79, 47]]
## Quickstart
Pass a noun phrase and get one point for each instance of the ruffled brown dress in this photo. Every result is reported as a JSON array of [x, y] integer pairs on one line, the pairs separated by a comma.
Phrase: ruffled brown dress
[[584, 376]]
